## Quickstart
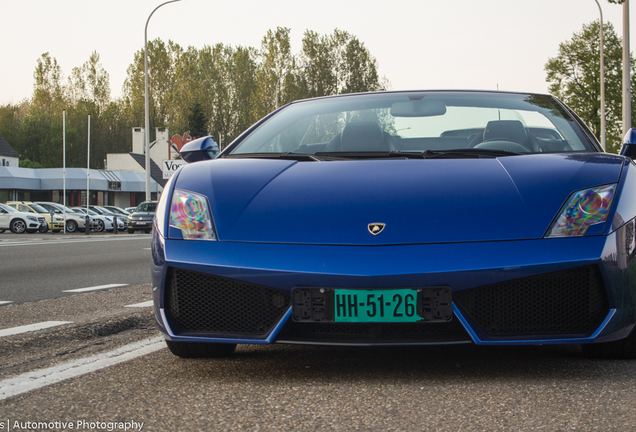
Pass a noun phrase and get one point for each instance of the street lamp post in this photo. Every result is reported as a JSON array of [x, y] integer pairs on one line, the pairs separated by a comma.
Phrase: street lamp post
[[280, 78], [147, 119], [627, 91], [602, 81]]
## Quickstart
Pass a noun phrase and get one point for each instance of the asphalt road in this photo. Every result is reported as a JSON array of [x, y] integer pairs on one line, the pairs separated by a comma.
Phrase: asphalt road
[[43, 266], [287, 387]]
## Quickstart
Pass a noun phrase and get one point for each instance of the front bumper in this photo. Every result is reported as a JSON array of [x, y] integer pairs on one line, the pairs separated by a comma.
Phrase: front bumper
[[140, 224], [57, 225], [466, 268]]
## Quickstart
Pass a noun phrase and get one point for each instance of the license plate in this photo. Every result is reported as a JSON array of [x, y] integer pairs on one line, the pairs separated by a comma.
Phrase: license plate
[[140, 223], [375, 305], [404, 305]]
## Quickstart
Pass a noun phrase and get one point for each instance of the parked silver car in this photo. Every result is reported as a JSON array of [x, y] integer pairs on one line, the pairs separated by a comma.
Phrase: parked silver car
[[100, 223], [121, 219], [74, 221]]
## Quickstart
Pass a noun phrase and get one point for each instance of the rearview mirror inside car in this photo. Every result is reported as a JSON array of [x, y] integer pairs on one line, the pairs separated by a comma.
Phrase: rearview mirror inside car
[[418, 108]]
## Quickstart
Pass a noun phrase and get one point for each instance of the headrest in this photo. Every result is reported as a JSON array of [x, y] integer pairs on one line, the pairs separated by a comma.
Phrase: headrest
[[363, 136], [510, 130]]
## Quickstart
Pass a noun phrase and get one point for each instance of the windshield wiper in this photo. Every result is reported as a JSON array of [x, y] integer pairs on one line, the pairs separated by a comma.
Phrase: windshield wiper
[[427, 154], [301, 157], [466, 153]]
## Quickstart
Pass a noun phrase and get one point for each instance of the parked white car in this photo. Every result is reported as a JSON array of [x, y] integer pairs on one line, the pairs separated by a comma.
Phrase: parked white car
[[19, 222]]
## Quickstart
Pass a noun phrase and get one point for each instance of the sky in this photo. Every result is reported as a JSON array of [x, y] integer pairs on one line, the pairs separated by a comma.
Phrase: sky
[[423, 44]]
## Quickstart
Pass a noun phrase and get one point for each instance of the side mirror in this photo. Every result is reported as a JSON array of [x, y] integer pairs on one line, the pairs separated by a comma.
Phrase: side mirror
[[200, 149], [629, 144]]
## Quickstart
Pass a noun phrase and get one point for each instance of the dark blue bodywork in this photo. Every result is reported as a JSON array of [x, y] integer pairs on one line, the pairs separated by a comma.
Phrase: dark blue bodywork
[[462, 223]]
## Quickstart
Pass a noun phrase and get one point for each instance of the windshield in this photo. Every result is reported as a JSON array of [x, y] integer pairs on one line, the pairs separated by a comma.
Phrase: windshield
[[50, 207], [38, 208], [8, 208], [146, 207], [117, 211], [416, 122]]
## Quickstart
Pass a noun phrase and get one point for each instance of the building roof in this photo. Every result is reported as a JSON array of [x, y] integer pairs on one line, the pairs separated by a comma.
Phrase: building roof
[[155, 171], [53, 179], [6, 149]]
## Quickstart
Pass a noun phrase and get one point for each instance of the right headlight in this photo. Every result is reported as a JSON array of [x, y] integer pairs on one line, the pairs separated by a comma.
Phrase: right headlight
[[582, 210], [33, 218], [190, 213]]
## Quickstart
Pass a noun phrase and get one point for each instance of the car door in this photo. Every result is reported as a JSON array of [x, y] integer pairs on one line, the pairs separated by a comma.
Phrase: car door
[[4, 219]]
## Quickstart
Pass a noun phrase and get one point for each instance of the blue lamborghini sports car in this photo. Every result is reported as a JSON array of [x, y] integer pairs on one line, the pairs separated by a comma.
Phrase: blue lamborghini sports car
[[400, 218]]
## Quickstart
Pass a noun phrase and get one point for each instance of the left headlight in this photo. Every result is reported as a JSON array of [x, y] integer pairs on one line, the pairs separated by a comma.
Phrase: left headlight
[[190, 213], [582, 210]]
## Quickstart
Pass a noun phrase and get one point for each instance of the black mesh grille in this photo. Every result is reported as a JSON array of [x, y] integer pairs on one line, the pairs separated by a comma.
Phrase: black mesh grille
[[570, 302], [373, 333], [198, 303]]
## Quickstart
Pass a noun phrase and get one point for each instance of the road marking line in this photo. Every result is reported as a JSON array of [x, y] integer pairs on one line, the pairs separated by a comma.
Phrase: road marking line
[[144, 304], [5, 302], [32, 327], [39, 242], [95, 288], [44, 377]]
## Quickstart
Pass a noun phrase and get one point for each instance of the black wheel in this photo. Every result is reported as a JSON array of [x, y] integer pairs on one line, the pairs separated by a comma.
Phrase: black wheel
[[131, 231], [18, 226], [99, 225], [147, 231], [71, 226], [620, 349], [200, 350], [43, 228]]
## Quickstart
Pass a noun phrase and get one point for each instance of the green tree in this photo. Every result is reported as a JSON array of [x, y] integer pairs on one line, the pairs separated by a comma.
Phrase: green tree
[[197, 121], [318, 52], [574, 77], [276, 61], [27, 163]]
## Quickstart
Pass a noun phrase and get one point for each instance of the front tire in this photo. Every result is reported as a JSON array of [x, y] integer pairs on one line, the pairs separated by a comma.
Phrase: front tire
[[71, 226], [131, 231], [18, 226], [43, 229], [200, 350], [620, 349], [99, 227]]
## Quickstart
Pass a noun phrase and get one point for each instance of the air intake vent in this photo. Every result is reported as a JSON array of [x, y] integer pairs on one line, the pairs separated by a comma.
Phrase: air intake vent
[[565, 303], [202, 304]]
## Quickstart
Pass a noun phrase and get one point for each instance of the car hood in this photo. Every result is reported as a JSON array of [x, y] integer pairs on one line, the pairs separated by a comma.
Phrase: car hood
[[419, 201]]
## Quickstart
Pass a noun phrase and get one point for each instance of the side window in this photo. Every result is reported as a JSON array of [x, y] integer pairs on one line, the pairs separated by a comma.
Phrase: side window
[[24, 208]]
